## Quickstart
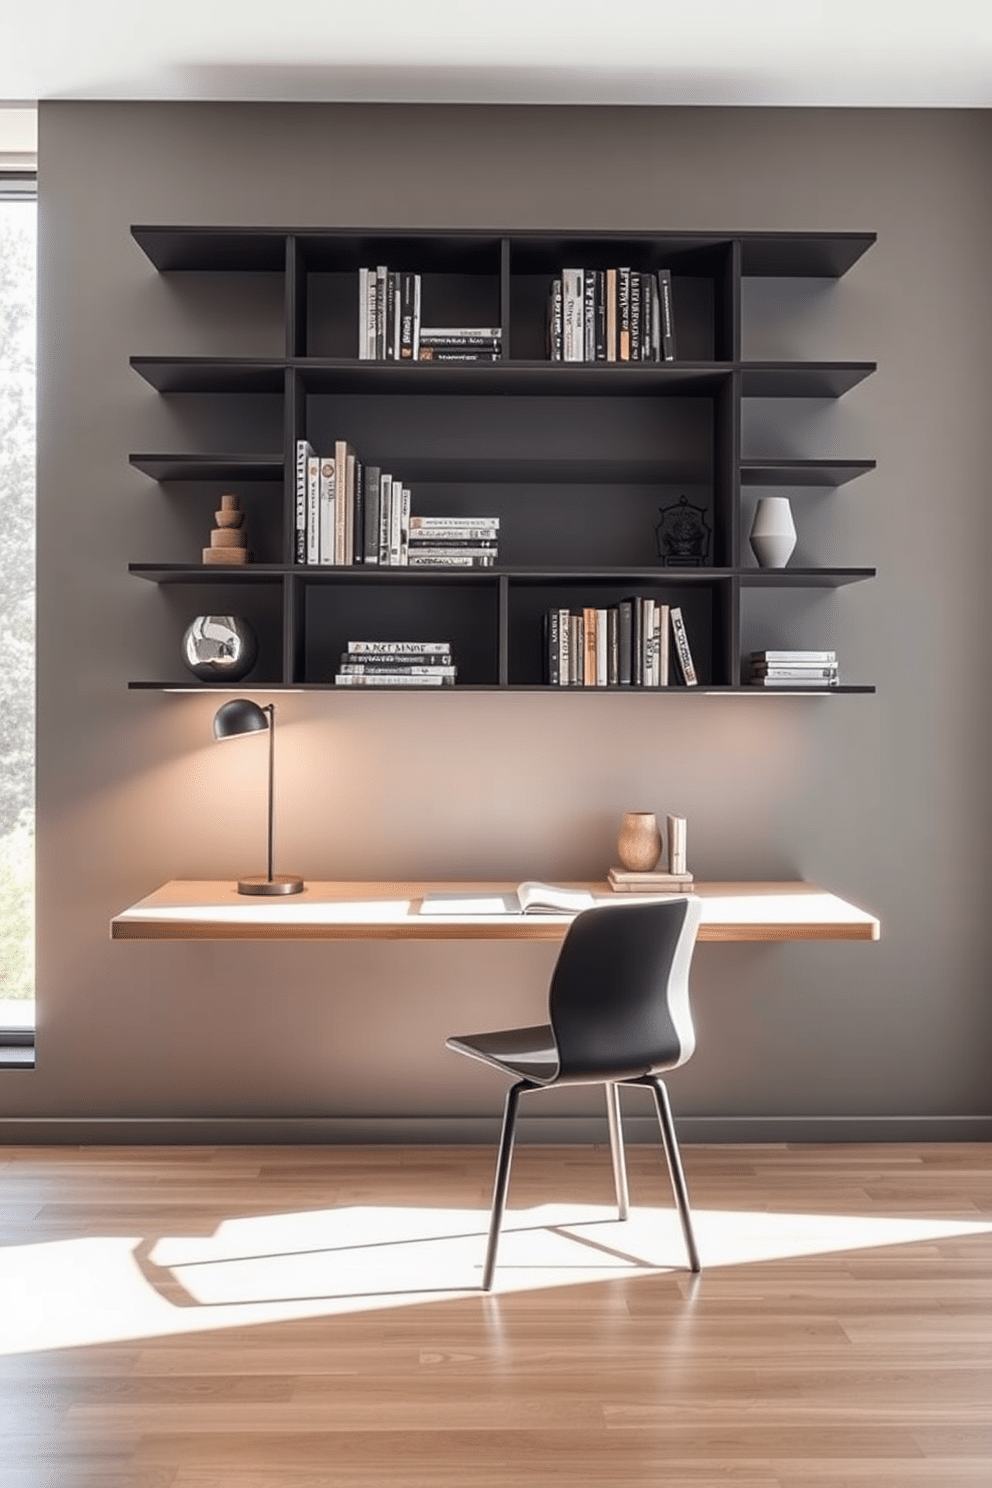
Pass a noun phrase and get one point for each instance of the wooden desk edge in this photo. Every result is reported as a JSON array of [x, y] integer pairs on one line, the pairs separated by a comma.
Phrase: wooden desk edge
[[852, 925]]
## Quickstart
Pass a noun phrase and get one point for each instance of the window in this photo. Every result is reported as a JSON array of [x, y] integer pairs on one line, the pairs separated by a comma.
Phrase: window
[[18, 235]]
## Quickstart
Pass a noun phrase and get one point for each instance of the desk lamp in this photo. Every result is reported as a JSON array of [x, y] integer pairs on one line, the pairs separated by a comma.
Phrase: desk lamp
[[234, 719]]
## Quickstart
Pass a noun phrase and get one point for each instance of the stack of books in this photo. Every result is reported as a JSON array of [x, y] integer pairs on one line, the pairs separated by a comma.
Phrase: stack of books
[[611, 315], [396, 664], [348, 512], [625, 645], [388, 315], [452, 542], [793, 669], [460, 344]]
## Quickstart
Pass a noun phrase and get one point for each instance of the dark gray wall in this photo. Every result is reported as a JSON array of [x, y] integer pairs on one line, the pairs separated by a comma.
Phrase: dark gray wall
[[882, 798]]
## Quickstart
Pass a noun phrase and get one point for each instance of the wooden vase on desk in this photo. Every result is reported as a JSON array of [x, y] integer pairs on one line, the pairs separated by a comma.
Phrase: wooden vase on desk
[[639, 842]]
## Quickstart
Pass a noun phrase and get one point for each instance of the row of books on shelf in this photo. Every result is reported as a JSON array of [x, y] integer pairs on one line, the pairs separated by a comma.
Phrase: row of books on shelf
[[636, 643], [611, 315], [793, 669], [390, 330], [396, 664], [348, 512]]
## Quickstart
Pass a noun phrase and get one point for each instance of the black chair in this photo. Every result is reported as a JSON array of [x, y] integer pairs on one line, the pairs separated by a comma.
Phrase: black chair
[[619, 1015]]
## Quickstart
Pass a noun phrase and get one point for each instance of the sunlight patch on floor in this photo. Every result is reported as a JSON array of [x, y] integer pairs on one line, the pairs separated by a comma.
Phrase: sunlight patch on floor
[[279, 1267]]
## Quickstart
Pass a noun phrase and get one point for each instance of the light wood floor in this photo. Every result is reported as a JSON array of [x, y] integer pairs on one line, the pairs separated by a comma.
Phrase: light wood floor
[[857, 1352]]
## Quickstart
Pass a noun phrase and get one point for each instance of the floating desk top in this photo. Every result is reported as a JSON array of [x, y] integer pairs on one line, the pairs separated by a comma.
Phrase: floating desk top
[[190, 909]]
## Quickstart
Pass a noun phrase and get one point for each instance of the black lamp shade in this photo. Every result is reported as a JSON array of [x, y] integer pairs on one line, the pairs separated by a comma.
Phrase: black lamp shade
[[239, 716]]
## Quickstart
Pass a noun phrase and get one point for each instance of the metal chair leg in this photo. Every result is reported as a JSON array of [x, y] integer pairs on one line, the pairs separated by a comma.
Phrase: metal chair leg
[[502, 1179], [675, 1167], [616, 1148]]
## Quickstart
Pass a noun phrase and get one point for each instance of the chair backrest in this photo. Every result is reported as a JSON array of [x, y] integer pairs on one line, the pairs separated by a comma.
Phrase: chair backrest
[[619, 996]]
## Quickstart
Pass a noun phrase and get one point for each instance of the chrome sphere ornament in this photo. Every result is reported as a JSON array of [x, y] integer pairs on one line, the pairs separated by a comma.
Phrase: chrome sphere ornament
[[219, 648]]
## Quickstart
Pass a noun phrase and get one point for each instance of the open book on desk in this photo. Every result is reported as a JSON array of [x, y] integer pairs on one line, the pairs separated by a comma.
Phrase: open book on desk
[[528, 898]]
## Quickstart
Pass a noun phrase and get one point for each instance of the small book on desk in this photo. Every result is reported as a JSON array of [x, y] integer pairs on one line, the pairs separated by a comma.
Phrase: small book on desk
[[623, 882], [528, 898]]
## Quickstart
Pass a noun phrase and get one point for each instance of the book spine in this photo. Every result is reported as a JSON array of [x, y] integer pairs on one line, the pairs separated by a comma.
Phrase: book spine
[[647, 642], [435, 354], [623, 315], [555, 323], [313, 508], [326, 541], [623, 641], [602, 649], [449, 560], [419, 543], [438, 335], [404, 526], [571, 287], [635, 316], [680, 641], [611, 315], [676, 826], [664, 649], [347, 679], [303, 451], [636, 643], [406, 316], [385, 517], [381, 285], [655, 302], [416, 316], [395, 515], [363, 314], [589, 646], [647, 282], [420, 523], [599, 325], [552, 625], [666, 315], [358, 549], [612, 646], [575, 650], [393, 648], [340, 499], [460, 341], [588, 315], [370, 537], [401, 669]]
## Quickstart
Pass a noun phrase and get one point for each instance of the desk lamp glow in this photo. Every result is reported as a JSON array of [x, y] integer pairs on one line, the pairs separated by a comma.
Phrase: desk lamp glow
[[232, 721]]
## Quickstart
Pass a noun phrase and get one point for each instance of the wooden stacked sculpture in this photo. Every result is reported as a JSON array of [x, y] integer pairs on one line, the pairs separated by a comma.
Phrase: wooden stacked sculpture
[[228, 540]]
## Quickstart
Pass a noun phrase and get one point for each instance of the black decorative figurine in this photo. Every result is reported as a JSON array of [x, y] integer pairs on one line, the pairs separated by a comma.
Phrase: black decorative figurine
[[683, 535]]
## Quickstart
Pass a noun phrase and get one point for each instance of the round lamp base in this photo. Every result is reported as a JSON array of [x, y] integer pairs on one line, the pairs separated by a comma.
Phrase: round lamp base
[[279, 883]]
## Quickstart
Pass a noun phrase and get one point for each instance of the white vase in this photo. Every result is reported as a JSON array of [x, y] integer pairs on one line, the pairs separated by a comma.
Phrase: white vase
[[773, 532]]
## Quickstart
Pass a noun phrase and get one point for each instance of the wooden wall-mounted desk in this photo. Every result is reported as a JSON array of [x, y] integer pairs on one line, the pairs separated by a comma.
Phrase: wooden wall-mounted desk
[[189, 909]]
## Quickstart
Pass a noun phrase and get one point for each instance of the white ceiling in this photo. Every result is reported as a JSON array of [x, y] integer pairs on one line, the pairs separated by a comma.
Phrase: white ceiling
[[872, 53]]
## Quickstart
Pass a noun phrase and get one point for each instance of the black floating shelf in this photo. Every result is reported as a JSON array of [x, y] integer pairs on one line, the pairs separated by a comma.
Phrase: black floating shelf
[[208, 573], [509, 375], [802, 379], [212, 374], [802, 472], [674, 690], [803, 578], [210, 467]]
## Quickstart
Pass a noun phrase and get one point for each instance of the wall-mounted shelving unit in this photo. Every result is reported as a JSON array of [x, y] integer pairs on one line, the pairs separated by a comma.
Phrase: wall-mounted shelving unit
[[575, 458]]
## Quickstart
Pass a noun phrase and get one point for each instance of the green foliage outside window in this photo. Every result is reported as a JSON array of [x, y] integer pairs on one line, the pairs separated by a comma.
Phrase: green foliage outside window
[[17, 597]]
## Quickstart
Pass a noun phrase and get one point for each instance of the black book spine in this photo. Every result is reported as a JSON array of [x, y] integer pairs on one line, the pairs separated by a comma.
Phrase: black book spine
[[624, 643], [589, 314], [407, 307], [666, 315], [552, 622]]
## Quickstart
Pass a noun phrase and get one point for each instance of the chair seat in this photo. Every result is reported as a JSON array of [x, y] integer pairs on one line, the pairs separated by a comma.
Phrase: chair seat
[[526, 1053]]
